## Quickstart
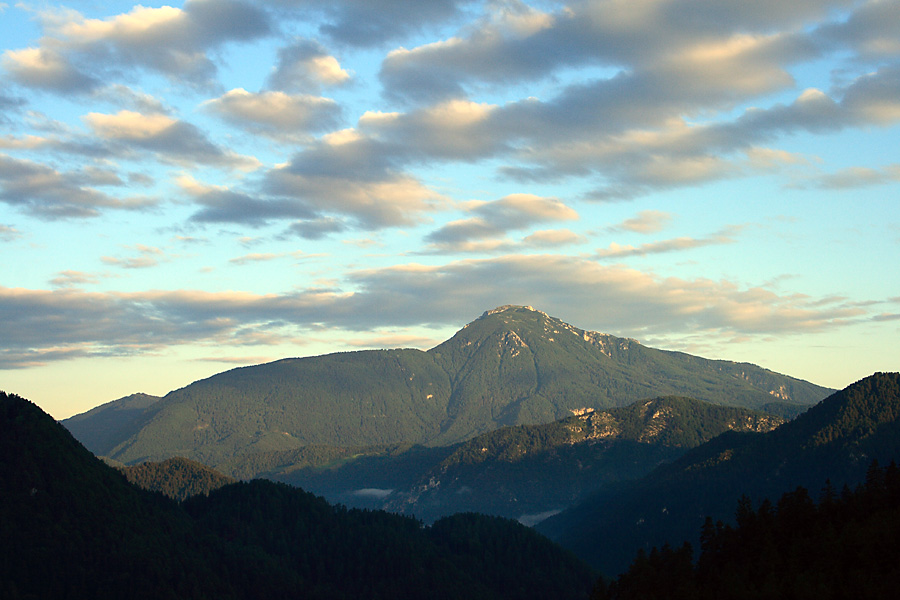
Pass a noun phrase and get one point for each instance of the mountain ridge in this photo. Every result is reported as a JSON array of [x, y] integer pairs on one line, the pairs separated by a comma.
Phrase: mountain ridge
[[513, 365]]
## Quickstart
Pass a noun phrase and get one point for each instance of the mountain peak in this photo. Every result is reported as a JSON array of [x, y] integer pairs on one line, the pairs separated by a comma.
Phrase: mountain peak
[[512, 307]]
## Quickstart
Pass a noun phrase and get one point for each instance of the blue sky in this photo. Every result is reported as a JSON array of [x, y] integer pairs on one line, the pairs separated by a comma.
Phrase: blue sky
[[189, 188]]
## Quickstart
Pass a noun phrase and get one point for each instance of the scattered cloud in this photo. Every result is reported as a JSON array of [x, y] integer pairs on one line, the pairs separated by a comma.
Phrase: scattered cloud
[[851, 178], [276, 114], [68, 279], [145, 257], [9, 233], [494, 219], [170, 140], [356, 177], [647, 221], [46, 193], [77, 53], [375, 22], [635, 304], [306, 66]]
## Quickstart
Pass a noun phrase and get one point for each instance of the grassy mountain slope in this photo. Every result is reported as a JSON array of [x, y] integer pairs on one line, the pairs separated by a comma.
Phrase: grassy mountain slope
[[72, 527], [531, 470], [512, 366], [836, 439]]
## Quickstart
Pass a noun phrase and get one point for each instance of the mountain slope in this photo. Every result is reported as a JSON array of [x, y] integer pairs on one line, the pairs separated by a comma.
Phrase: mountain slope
[[835, 440], [512, 366], [104, 426], [529, 471]]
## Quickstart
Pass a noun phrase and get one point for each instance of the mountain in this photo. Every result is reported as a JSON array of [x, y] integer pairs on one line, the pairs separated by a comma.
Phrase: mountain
[[834, 441], [530, 471], [512, 366], [73, 527], [104, 426], [178, 478]]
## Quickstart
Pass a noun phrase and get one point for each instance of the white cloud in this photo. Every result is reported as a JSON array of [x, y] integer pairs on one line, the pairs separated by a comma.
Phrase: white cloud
[[71, 322], [276, 114]]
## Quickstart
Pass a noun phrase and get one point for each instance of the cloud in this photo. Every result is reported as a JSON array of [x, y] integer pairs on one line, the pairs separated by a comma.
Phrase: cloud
[[492, 219], [276, 114], [171, 140], [78, 53], [68, 279], [455, 129], [46, 193], [852, 178], [257, 257], [316, 229], [71, 322], [305, 65], [373, 22], [647, 221], [222, 205], [671, 46], [349, 175], [147, 256], [677, 244], [9, 233], [47, 70]]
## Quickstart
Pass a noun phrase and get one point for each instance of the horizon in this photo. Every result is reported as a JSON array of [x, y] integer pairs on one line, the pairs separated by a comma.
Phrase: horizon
[[200, 185]]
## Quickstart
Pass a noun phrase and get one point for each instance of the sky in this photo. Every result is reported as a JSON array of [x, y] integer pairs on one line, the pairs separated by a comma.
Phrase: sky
[[189, 188]]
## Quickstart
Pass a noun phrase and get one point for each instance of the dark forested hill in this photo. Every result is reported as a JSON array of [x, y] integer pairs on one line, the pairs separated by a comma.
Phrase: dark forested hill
[[512, 366], [73, 527], [178, 478], [843, 546], [835, 440]]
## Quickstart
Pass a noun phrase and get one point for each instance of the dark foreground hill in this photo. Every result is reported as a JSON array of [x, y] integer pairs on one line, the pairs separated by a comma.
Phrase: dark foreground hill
[[843, 546], [512, 366], [73, 527], [834, 441]]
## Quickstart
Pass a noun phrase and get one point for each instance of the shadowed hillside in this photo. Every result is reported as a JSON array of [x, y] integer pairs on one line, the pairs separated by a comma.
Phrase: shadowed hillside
[[835, 440]]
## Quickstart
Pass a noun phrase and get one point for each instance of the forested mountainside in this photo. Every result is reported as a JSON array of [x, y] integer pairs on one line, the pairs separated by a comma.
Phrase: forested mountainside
[[528, 471], [178, 478], [512, 366], [73, 527], [835, 440], [840, 544]]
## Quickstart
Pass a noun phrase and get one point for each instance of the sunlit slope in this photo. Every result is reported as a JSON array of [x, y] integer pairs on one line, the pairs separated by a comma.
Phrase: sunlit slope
[[512, 366]]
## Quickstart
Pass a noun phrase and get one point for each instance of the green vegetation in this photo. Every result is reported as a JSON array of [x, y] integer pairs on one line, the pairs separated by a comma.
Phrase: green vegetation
[[73, 527], [843, 547], [512, 366]]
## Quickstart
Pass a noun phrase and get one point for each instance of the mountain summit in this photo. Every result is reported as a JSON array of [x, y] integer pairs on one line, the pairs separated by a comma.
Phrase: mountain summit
[[513, 365]]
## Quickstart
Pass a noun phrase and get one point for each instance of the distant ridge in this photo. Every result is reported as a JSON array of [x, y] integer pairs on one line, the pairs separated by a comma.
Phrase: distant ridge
[[513, 365]]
